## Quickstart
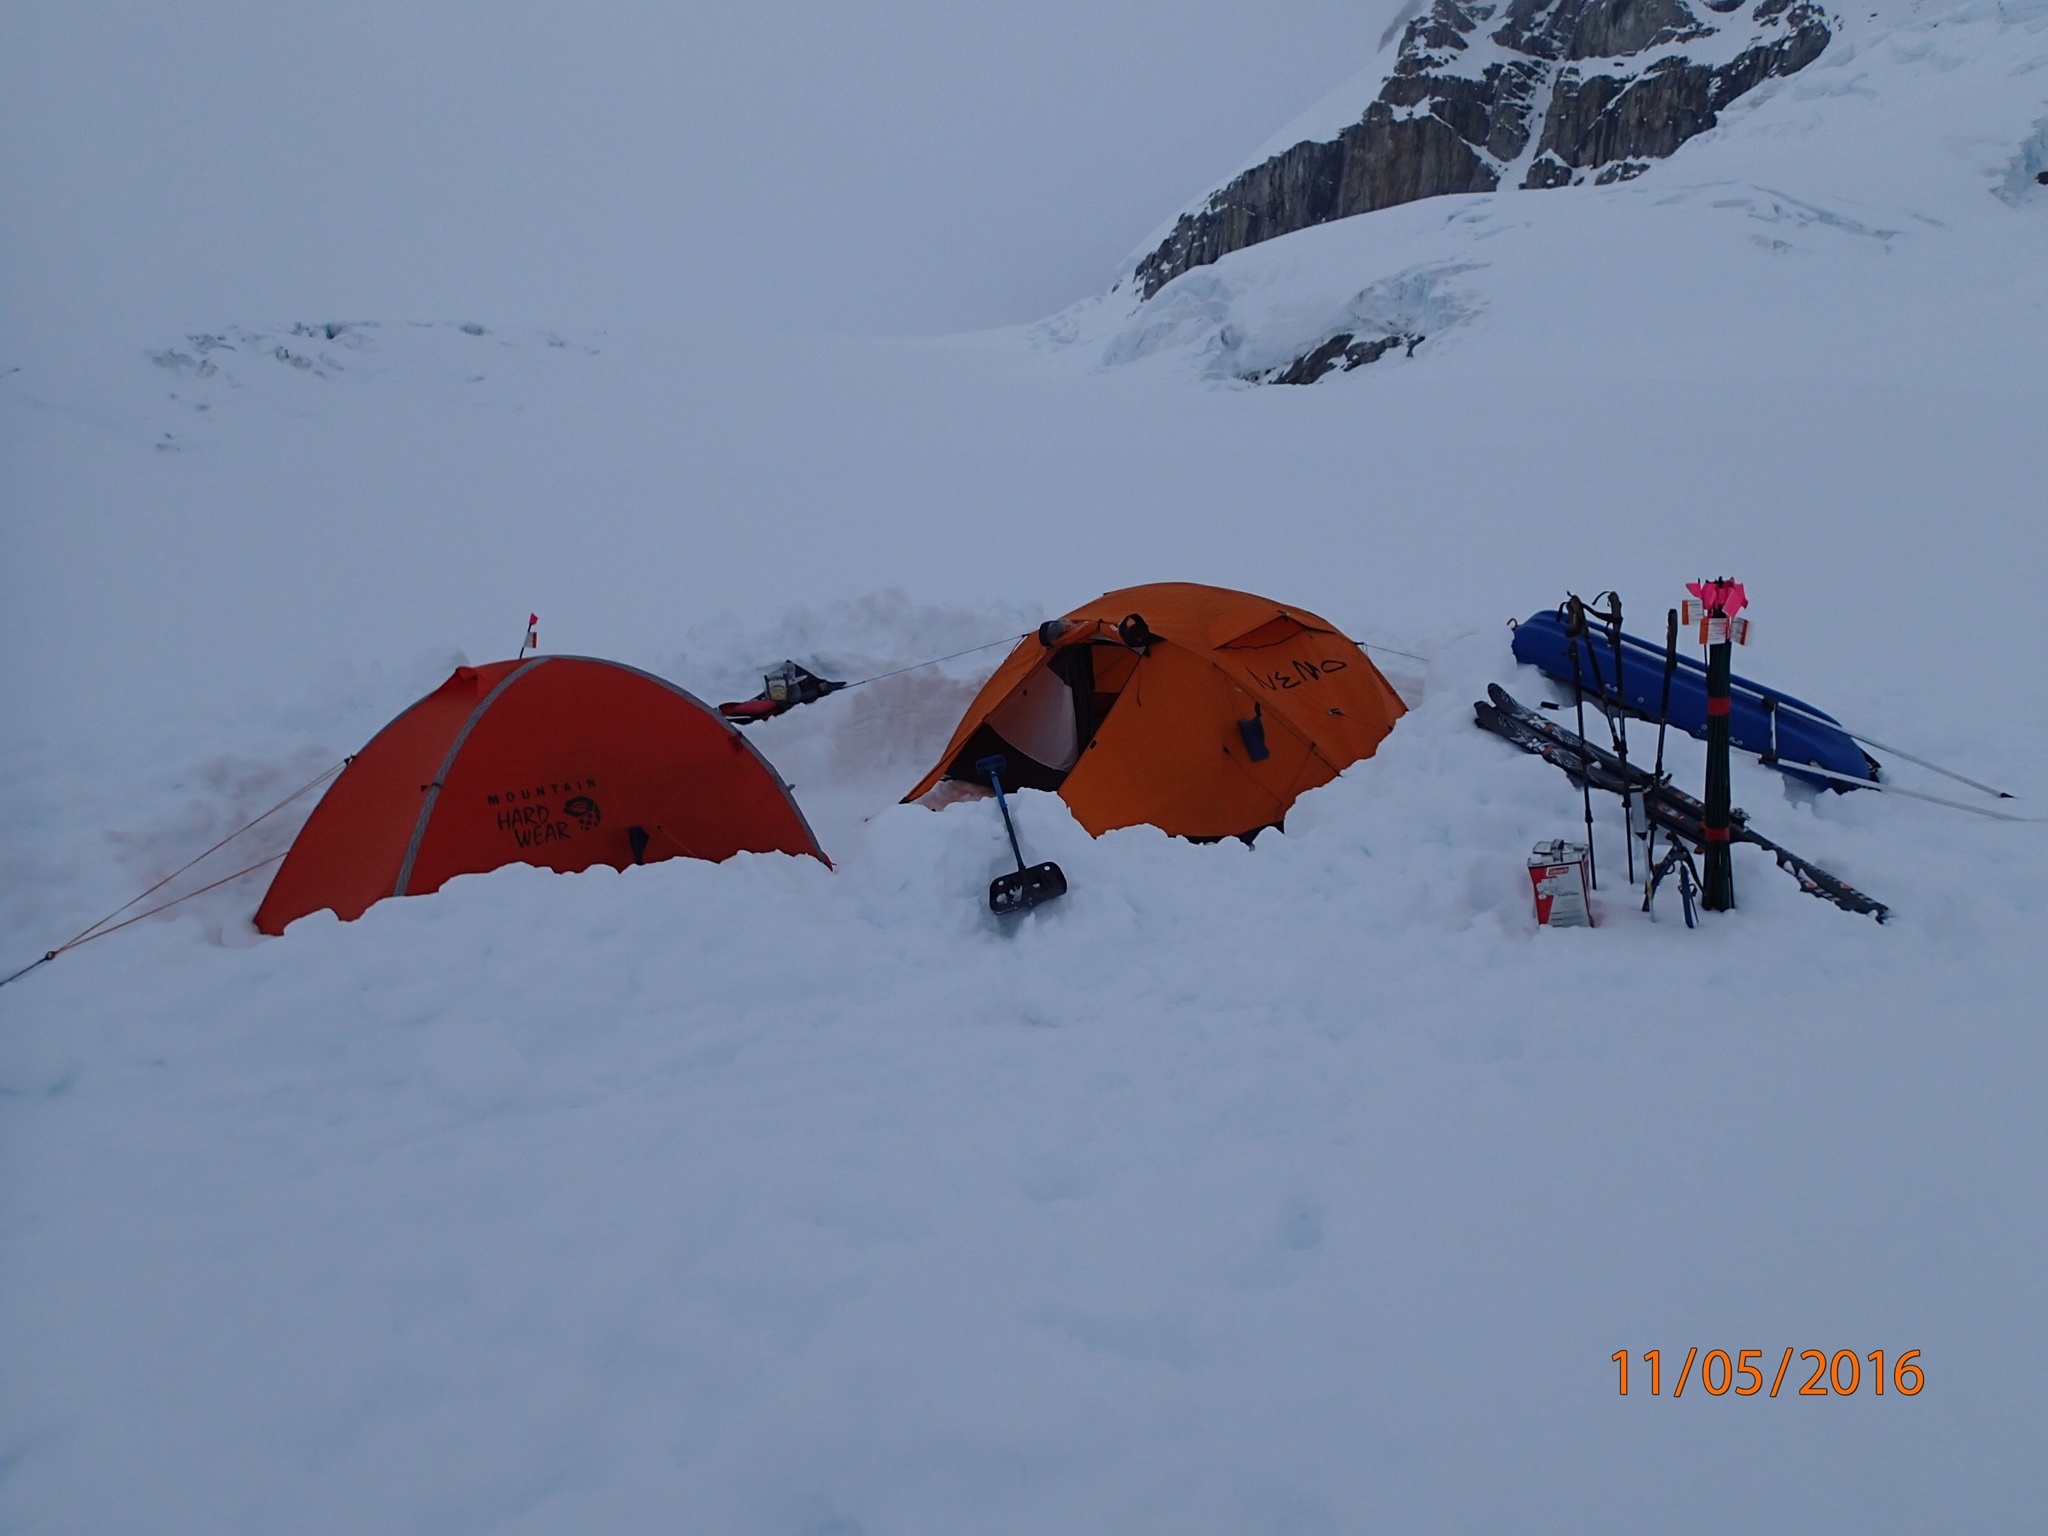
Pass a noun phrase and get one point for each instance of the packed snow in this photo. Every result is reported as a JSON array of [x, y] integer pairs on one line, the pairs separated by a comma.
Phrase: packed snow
[[1300, 1187]]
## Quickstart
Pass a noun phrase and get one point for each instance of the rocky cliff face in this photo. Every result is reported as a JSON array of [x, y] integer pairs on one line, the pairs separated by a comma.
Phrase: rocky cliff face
[[1532, 93]]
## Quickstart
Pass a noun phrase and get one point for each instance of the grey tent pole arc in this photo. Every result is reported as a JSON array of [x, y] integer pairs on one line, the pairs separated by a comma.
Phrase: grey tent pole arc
[[433, 790], [738, 737]]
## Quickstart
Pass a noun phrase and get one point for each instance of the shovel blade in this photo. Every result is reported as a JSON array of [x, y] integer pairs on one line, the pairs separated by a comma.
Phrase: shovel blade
[[1024, 889]]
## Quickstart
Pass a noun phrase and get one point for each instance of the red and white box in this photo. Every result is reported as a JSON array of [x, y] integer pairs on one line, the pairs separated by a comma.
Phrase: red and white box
[[1563, 890]]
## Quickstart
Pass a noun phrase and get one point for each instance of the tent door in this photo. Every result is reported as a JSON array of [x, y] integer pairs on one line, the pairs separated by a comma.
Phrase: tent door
[[1098, 674], [1040, 719], [1045, 725]]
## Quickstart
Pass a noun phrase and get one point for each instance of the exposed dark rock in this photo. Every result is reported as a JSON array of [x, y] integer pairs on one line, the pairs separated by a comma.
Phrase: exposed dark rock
[[1377, 163], [1607, 29], [1341, 352], [1444, 124], [1605, 117]]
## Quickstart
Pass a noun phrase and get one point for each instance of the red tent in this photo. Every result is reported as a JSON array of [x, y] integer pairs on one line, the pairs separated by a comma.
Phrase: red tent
[[560, 761]]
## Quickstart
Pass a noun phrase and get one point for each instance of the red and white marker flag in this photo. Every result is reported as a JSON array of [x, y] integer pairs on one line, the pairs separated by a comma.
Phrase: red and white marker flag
[[1714, 606], [532, 634]]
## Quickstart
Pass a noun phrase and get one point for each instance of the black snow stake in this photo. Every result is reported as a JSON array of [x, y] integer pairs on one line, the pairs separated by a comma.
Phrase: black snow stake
[[1026, 888], [1717, 880]]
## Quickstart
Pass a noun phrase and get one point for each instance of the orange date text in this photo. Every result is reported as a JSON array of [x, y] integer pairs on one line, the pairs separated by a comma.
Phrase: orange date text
[[1742, 1373]]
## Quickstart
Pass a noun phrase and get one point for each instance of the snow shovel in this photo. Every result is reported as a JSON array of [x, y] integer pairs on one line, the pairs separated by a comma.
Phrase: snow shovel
[[1025, 889]]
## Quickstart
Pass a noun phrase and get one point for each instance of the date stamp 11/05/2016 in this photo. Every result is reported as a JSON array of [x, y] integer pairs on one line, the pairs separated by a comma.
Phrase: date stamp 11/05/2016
[[1840, 1374]]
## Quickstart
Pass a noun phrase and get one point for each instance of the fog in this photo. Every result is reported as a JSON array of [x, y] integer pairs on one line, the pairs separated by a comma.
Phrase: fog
[[901, 166]]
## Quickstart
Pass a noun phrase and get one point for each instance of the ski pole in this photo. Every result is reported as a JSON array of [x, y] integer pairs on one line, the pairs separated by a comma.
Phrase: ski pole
[[1618, 724], [1663, 714], [1575, 626]]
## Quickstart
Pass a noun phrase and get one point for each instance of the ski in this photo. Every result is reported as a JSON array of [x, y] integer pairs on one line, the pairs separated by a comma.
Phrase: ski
[[1678, 813]]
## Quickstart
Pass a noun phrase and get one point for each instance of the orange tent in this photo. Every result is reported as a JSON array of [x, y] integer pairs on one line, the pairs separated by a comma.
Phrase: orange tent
[[560, 761], [1202, 711]]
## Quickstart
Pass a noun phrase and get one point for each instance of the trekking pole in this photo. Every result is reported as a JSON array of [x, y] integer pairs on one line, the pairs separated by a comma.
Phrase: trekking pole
[[1663, 720], [1617, 723], [1575, 626]]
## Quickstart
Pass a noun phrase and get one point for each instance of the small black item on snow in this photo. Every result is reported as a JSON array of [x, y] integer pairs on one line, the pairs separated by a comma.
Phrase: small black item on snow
[[783, 689], [1026, 888], [1672, 809]]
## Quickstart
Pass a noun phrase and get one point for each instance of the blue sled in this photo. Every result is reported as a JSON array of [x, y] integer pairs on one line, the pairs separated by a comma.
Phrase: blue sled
[[1780, 729]]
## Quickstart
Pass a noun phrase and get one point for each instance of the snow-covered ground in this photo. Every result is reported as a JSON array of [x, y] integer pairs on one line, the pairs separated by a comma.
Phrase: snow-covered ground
[[1302, 1188]]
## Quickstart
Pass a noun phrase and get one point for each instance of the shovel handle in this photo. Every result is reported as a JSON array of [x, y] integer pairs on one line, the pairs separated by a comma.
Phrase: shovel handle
[[993, 767]]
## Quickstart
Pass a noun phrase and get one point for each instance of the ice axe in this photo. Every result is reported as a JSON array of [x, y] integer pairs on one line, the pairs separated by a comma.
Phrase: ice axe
[[1025, 889]]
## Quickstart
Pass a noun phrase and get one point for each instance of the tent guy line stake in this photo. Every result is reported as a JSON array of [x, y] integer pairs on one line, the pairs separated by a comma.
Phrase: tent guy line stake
[[29, 967], [100, 929]]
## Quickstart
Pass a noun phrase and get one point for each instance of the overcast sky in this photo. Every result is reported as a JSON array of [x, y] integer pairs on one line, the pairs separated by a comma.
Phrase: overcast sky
[[895, 165]]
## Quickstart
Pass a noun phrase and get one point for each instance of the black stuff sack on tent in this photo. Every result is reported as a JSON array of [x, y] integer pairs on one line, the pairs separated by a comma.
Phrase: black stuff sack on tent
[[783, 688]]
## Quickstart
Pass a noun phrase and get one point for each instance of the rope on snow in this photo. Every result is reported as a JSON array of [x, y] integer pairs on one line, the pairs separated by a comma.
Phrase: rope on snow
[[915, 665], [107, 925]]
